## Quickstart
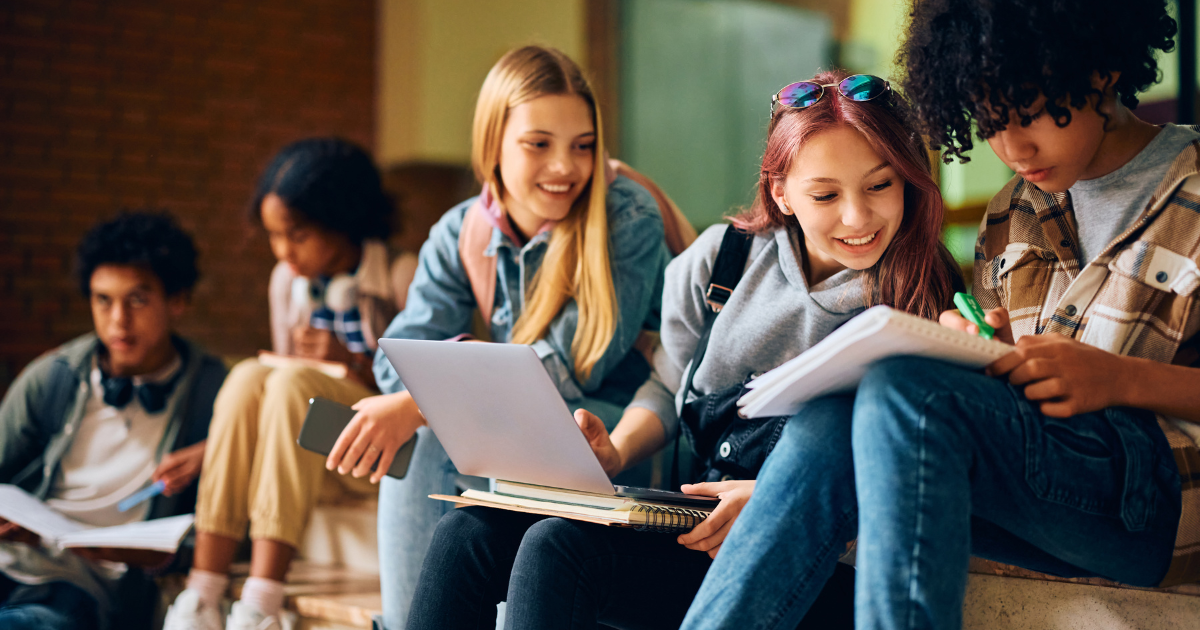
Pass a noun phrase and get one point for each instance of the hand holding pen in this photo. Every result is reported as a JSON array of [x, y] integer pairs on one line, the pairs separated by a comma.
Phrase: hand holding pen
[[180, 468], [974, 321], [174, 473]]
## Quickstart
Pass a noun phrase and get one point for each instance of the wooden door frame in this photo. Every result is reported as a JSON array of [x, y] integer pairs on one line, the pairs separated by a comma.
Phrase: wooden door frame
[[602, 34]]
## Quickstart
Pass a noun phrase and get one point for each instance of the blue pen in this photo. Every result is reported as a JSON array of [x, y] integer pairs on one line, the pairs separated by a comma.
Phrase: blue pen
[[145, 494]]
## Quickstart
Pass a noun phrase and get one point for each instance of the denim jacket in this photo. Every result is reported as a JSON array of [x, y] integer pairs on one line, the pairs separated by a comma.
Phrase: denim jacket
[[39, 419], [440, 301]]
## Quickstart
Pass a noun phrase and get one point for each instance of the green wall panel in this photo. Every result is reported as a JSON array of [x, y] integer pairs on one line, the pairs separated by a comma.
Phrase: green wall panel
[[697, 78]]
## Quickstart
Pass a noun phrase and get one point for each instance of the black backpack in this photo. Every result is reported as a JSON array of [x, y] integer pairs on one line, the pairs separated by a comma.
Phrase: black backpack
[[726, 445]]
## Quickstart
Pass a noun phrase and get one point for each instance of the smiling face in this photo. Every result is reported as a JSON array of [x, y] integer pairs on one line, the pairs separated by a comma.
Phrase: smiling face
[[849, 201], [546, 159], [133, 318], [1050, 157], [309, 250]]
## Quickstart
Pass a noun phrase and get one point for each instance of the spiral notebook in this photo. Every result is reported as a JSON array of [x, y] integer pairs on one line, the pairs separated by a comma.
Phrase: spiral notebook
[[838, 362], [644, 516]]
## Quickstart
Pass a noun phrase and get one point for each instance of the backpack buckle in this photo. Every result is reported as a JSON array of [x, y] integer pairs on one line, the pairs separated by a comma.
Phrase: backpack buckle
[[716, 296]]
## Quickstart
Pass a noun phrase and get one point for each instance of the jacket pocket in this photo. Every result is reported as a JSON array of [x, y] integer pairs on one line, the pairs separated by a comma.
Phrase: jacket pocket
[[1157, 267], [1020, 265], [1147, 285]]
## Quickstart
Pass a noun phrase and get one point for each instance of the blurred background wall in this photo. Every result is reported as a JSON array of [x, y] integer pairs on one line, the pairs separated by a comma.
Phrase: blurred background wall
[[165, 104], [178, 104]]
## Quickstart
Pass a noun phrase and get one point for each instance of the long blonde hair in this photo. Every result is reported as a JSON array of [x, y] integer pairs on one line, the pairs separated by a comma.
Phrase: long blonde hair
[[576, 264]]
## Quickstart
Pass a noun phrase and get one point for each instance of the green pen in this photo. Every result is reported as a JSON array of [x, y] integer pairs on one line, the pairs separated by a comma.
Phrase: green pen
[[969, 307]]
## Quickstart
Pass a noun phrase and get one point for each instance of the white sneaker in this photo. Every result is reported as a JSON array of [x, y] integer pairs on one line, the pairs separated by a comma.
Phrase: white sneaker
[[246, 617], [189, 613]]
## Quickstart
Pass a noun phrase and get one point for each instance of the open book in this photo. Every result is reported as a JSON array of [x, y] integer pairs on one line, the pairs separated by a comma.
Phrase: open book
[[838, 362], [332, 369], [654, 516], [22, 508]]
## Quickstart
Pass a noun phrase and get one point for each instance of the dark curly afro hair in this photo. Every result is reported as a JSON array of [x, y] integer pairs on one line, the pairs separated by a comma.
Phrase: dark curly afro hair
[[970, 61], [148, 239], [331, 183]]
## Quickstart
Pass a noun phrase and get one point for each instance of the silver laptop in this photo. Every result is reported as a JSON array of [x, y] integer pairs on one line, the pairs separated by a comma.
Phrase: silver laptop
[[498, 414]]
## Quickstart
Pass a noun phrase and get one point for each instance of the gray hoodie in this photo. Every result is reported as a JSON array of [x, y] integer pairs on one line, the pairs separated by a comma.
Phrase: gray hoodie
[[772, 316]]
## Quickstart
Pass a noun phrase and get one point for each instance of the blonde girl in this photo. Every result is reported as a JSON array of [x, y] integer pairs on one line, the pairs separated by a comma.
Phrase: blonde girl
[[579, 257]]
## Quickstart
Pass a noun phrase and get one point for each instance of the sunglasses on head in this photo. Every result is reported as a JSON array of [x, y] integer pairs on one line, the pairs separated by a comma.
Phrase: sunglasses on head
[[857, 87]]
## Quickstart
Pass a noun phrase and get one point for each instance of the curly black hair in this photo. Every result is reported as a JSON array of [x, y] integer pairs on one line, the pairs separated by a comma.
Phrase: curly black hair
[[148, 239], [970, 61], [331, 183]]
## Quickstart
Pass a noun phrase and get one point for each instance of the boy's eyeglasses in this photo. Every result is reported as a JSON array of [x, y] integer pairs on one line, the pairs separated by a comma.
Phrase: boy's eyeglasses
[[857, 87]]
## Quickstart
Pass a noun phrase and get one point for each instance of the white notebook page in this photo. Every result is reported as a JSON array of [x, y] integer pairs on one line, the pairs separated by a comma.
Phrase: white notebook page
[[838, 362]]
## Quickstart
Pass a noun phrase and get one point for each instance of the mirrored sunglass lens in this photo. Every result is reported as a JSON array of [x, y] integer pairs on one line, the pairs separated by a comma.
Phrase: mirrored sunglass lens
[[800, 94], [861, 87]]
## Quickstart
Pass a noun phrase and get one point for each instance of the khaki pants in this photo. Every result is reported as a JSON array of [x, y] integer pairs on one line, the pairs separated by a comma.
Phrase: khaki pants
[[254, 472]]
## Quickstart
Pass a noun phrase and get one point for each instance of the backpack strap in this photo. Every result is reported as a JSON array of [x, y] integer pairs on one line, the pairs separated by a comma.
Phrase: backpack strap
[[677, 230], [473, 240], [476, 234], [728, 268], [727, 271]]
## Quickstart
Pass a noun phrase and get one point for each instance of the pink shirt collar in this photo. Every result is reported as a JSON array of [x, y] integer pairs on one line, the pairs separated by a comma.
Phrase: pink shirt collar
[[495, 215]]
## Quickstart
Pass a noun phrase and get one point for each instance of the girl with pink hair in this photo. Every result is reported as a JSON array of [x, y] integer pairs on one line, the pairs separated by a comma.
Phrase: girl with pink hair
[[847, 215]]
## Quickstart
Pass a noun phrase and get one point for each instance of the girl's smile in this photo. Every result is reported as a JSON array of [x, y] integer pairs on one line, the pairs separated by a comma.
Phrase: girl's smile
[[861, 244], [848, 200]]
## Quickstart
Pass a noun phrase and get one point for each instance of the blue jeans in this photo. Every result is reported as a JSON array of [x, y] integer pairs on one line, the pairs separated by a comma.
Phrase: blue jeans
[[946, 462], [408, 517], [53, 606]]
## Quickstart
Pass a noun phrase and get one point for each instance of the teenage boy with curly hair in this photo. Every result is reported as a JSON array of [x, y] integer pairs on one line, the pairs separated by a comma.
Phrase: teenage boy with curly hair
[[91, 422], [1075, 454]]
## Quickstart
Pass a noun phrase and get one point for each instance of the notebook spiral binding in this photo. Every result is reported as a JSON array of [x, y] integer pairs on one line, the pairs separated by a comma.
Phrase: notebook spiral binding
[[668, 520]]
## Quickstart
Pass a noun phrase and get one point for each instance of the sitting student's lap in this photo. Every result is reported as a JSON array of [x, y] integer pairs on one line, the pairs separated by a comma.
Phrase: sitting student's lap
[[256, 399], [251, 379], [1096, 493], [257, 418], [557, 569], [52, 606], [408, 517]]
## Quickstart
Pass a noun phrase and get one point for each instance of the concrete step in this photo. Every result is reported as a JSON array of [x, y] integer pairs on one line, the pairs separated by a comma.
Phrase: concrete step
[[343, 533], [1004, 597], [324, 597]]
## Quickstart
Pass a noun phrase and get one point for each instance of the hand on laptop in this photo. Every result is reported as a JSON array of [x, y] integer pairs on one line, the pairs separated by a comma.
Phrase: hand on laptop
[[710, 534], [598, 438], [637, 436], [382, 425]]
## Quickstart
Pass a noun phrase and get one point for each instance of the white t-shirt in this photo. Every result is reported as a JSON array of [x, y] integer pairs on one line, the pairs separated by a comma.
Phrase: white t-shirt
[[112, 456]]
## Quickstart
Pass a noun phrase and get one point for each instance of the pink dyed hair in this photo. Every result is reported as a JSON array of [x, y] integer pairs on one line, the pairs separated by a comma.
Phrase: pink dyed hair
[[916, 274]]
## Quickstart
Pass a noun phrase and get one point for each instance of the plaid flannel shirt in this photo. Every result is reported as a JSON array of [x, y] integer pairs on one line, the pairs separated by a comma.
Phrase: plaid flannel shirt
[[1137, 298]]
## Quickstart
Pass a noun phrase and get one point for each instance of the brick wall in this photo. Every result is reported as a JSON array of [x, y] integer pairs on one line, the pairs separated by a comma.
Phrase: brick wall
[[176, 104]]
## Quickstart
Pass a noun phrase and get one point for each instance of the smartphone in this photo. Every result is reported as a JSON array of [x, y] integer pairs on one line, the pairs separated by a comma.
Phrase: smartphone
[[324, 423], [666, 496]]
